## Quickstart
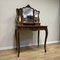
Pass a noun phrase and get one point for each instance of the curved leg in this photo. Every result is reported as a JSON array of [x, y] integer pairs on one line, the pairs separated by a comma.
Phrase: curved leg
[[16, 37], [18, 41], [38, 37], [46, 31]]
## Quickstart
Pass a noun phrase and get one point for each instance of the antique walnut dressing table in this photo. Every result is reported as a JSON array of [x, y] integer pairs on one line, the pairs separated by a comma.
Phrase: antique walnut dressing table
[[28, 18]]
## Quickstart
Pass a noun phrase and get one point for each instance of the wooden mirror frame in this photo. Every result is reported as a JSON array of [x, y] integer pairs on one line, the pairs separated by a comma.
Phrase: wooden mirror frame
[[19, 12]]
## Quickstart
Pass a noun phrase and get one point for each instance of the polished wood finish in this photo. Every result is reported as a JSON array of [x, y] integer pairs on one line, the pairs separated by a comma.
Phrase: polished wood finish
[[20, 11], [28, 25], [19, 27], [33, 53], [38, 37]]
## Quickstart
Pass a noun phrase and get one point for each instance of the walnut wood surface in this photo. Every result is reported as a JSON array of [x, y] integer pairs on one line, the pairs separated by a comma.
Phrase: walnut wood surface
[[33, 28], [33, 25]]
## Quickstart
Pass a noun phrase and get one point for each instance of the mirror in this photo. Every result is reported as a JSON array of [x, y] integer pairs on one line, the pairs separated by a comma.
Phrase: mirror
[[27, 15], [36, 16]]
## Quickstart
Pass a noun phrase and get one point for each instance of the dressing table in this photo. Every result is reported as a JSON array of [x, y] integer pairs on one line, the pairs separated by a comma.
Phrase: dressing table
[[28, 18]]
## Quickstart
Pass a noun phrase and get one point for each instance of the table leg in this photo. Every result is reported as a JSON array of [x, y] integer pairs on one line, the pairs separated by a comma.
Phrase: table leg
[[46, 31], [18, 41], [16, 37], [38, 37]]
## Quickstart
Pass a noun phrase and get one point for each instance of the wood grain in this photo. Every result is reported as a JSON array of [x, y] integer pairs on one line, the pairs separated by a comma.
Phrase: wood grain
[[33, 53]]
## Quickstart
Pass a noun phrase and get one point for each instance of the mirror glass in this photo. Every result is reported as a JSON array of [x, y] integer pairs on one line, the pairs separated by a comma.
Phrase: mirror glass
[[27, 15], [36, 16]]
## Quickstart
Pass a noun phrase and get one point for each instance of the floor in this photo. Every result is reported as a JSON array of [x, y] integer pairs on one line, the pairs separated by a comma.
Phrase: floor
[[33, 53]]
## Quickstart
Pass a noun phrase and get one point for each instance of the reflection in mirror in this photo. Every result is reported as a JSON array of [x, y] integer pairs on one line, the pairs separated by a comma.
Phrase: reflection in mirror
[[27, 15], [36, 16]]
